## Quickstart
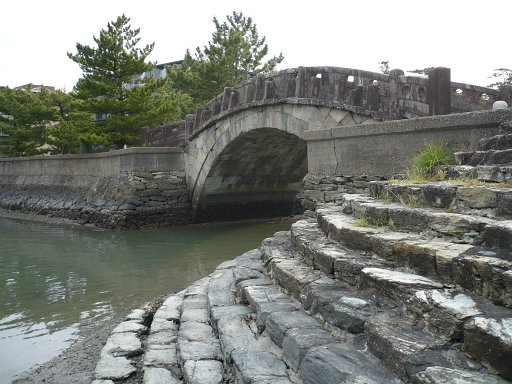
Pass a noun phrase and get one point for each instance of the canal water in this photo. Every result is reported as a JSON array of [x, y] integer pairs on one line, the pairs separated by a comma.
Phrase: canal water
[[57, 279]]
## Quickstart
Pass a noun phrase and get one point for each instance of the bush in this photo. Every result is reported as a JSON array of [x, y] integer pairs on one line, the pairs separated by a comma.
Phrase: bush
[[433, 155]]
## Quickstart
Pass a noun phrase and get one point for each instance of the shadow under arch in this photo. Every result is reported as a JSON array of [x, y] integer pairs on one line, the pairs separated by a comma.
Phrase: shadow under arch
[[257, 175]]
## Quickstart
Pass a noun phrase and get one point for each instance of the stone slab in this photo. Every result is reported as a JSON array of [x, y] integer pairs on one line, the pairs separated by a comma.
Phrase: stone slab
[[162, 358], [203, 372], [279, 323], [297, 342], [195, 331], [490, 341], [258, 367], [199, 350], [159, 376], [122, 344], [130, 326], [442, 375], [115, 368]]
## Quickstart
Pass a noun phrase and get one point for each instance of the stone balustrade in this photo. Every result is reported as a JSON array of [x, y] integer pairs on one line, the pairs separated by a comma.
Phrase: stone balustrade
[[384, 97]]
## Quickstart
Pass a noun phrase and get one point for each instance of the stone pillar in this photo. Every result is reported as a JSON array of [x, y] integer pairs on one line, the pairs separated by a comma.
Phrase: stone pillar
[[439, 94], [300, 83], [340, 87], [393, 103], [270, 90], [189, 124], [234, 99], [225, 99], [260, 87], [372, 101], [197, 121], [506, 94]]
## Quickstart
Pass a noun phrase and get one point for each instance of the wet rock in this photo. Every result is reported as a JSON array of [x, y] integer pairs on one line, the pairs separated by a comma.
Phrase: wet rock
[[490, 341], [203, 372]]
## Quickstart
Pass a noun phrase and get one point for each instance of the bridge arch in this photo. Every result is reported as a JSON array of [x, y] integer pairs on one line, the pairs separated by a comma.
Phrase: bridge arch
[[252, 163]]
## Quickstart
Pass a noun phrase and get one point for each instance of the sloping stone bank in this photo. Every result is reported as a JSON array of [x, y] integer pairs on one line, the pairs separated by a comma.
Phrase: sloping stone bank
[[364, 291]]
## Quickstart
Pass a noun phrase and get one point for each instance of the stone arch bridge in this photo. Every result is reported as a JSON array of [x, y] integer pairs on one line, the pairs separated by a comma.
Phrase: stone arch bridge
[[247, 151]]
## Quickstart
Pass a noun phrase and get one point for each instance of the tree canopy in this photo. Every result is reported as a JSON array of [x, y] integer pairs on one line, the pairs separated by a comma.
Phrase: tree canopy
[[503, 75], [235, 53], [113, 89]]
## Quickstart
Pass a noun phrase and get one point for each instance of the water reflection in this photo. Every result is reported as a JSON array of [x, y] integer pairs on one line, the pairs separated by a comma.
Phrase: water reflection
[[54, 279]]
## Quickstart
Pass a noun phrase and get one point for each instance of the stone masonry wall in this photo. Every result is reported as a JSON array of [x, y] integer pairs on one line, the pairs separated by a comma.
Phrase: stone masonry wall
[[326, 189], [142, 187]]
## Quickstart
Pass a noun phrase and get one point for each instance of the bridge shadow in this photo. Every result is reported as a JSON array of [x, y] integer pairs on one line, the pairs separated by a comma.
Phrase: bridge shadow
[[258, 175]]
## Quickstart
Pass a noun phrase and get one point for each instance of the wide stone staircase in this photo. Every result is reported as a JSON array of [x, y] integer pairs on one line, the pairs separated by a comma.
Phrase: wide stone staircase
[[405, 284]]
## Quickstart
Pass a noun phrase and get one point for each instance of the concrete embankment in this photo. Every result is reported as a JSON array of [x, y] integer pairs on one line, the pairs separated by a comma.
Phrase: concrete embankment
[[128, 188]]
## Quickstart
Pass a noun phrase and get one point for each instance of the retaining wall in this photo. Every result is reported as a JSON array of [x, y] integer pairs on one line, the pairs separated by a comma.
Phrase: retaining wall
[[134, 187]]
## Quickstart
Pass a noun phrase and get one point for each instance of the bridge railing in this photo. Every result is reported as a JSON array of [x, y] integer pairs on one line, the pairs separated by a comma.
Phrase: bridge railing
[[385, 97]]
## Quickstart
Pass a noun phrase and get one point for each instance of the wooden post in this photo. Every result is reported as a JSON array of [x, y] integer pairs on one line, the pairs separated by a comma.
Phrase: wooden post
[[439, 91]]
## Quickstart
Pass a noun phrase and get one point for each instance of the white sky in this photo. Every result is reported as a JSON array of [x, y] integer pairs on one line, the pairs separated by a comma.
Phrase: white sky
[[471, 37]]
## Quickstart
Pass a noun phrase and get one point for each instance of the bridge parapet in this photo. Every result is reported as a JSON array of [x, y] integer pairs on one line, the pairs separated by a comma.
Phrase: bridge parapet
[[384, 97]]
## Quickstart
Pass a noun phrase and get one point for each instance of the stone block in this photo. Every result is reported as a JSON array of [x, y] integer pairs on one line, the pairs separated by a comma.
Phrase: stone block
[[297, 342], [199, 350], [130, 326], [162, 357], [122, 344], [279, 323], [159, 376], [203, 372], [113, 368], [259, 367], [195, 331], [443, 375], [490, 341]]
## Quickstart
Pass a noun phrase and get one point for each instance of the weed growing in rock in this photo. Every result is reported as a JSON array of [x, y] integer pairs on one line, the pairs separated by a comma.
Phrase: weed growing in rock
[[362, 222], [423, 164]]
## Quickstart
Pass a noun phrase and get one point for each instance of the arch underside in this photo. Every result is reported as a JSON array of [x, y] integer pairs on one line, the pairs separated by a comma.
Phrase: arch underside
[[257, 175]]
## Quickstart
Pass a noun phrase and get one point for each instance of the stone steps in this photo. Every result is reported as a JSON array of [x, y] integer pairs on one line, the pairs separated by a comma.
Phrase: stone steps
[[433, 223], [372, 313], [484, 271], [475, 200], [497, 142], [501, 173], [334, 301], [487, 157]]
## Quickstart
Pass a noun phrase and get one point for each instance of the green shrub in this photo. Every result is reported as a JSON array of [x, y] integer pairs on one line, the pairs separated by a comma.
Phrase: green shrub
[[433, 155]]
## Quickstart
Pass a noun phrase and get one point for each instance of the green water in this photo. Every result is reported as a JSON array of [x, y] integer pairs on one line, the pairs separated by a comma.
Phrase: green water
[[55, 280]]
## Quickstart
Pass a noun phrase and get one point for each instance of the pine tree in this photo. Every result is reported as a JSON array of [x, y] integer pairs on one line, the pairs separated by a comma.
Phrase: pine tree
[[235, 53]]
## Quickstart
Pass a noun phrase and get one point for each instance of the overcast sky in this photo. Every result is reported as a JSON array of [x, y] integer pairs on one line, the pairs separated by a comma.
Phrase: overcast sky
[[471, 37]]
